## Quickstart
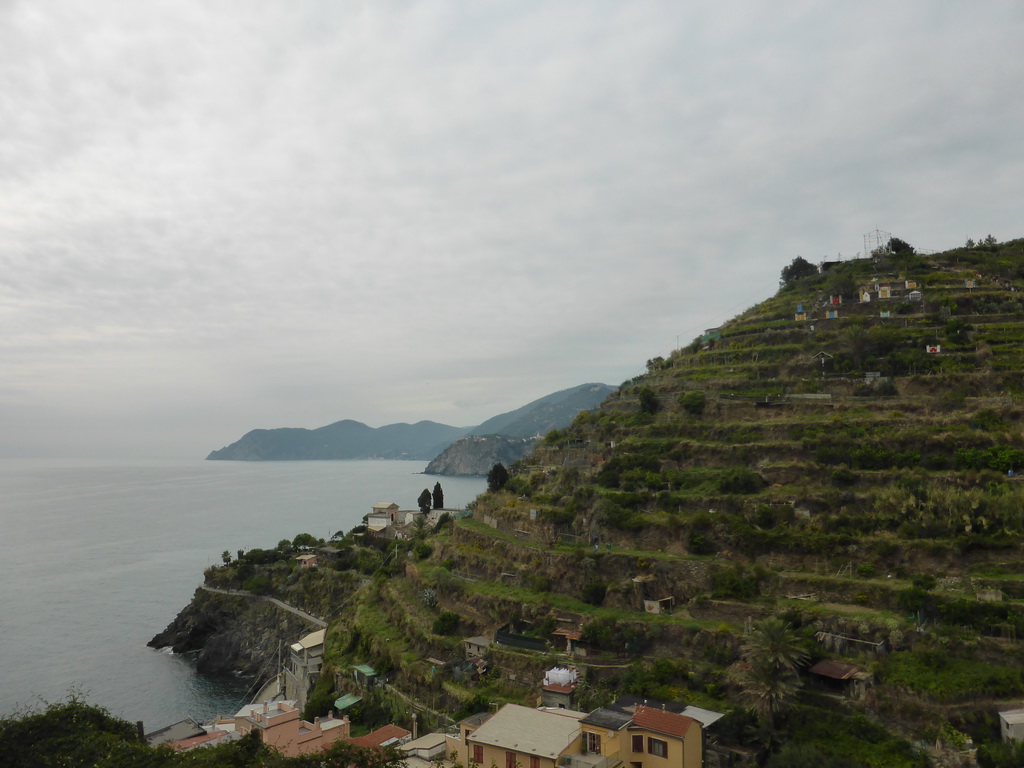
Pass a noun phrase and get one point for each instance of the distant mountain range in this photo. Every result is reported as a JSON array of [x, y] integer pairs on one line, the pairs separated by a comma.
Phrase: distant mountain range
[[350, 439]]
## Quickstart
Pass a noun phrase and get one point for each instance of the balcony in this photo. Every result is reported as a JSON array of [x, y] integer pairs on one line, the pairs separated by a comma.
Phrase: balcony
[[589, 760]]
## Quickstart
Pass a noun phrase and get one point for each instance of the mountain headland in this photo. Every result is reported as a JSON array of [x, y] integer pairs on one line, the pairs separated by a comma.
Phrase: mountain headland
[[425, 440]]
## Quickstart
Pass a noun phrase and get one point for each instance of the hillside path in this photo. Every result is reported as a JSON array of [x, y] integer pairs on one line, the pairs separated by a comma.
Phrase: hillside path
[[280, 604]]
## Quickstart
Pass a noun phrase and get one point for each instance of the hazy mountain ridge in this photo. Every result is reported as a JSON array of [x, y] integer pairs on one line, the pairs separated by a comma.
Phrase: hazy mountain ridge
[[350, 439], [347, 439]]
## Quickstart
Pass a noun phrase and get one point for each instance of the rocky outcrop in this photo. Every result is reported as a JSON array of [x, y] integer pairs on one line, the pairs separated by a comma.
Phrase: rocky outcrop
[[476, 455], [230, 633]]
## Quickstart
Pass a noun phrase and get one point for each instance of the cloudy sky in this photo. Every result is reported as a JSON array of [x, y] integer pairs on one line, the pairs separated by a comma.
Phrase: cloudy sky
[[217, 216]]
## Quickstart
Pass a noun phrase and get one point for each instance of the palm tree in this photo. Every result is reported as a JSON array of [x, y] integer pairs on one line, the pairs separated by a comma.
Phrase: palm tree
[[767, 674], [774, 641], [765, 687]]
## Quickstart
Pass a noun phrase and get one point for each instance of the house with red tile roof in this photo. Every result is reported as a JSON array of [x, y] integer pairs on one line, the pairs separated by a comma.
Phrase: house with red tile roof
[[640, 736], [389, 735]]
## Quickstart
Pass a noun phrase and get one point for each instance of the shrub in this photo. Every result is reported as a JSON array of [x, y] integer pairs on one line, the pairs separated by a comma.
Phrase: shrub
[[693, 402], [594, 592], [648, 401], [739, 480], [446, 623]]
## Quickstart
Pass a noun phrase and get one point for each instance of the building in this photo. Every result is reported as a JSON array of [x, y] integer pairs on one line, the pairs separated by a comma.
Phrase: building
[[426, 751], [307, 560], [841, 678], [640, 736], [1011, 725], [365, 675], [559, 686], [305, 657], [277, 723], [520, 737], [390, 735], [476, 646]]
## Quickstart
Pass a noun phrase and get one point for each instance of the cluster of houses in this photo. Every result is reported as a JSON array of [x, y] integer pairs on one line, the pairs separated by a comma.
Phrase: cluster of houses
[[388, 521], [876, 291]]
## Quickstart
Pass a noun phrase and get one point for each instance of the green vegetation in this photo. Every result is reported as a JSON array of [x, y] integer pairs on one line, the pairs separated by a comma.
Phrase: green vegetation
[[74, 733], [781, 496]]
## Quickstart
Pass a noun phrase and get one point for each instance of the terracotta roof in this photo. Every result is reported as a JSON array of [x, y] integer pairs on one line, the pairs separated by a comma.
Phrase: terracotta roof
[[836, 670], [559, 688], [658, 720], [186, 744], [381, 736]]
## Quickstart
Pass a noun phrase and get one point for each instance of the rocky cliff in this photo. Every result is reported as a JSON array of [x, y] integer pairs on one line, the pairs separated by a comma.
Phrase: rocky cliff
[[229, 633], [476, 455]]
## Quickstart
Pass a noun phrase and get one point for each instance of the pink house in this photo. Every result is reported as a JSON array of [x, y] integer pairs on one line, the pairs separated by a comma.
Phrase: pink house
[[278, 725]]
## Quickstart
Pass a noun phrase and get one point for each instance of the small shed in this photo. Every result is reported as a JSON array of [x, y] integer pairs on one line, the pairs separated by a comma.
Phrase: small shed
[[365, 675], [564, 636], [347, 701], [915, 296], [1011, 725], [307, 560], [661, 605], [865, 297], [933, 349], [835, 300], [832, 314], [989, 595], [842, 678], [476, 646], [884, 314], [910, 284], [884, 292]]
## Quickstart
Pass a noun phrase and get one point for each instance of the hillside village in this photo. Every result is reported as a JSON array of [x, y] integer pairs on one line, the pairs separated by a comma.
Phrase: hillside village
[[795, 541]]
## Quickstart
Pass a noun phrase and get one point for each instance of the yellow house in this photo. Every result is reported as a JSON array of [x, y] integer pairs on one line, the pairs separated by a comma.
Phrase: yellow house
[[644, 738], [520, 737]]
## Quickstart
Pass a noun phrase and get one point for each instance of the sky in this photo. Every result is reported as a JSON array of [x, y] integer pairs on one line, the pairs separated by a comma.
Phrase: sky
[[221, 216]]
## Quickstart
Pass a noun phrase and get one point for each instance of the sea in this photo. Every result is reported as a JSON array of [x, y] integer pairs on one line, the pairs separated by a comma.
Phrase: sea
[[96, 557]]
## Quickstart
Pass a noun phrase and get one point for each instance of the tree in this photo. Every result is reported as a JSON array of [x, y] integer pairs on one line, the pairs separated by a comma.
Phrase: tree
[[797, 269], [899, 247], [497, 477], [424, 501], [438, 496], [648, 401], [767, 674], [305, 540], [226, 557], [775, 640]]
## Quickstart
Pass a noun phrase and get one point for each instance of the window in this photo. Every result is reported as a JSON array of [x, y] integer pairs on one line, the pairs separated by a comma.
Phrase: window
[[478, 754], [534, 761], [510, 760], [657, 747], [638, 743], [591, 742]]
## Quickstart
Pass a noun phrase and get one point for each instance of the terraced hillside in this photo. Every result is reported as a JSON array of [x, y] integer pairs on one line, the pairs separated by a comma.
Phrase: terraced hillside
[[856, 473], [855, 476]]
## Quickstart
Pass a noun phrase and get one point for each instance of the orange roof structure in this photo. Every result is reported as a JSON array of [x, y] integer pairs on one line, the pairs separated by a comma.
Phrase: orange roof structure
[[661, 721]]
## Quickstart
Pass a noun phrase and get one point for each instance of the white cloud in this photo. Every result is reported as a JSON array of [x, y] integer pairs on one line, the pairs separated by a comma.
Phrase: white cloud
[[217, 217]]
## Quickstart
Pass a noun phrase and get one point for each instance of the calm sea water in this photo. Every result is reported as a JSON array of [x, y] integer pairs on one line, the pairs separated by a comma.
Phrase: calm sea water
[[96, 557]]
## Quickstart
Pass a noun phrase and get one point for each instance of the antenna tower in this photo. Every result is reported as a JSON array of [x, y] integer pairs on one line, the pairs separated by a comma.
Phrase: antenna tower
[[875, 241]]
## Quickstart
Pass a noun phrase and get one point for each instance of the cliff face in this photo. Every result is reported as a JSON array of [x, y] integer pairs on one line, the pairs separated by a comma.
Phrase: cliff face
[[476, 455], [231, 634]]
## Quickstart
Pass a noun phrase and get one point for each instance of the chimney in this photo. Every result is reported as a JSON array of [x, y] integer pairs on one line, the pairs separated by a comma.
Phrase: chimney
[[414, 729], [141, 730]]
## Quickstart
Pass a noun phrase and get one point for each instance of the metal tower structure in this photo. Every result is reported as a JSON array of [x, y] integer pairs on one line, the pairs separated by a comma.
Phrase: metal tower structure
[[876, 241]]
